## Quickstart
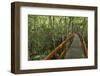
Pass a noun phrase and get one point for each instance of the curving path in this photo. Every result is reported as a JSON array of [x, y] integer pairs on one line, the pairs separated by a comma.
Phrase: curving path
[[75, 50]]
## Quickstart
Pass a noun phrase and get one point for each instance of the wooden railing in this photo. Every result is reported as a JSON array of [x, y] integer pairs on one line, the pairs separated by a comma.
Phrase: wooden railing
[[62, 45], [59, 47], [83, 45], [85, 50]]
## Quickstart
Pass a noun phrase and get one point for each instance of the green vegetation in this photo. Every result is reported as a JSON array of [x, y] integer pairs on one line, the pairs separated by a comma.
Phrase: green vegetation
[[45, 33]]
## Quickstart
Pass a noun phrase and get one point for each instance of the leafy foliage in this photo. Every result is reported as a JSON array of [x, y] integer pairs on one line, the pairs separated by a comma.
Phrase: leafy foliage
[[47, 32]]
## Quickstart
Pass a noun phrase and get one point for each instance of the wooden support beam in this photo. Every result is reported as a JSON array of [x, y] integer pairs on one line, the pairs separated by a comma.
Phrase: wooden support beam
[[62, 54]]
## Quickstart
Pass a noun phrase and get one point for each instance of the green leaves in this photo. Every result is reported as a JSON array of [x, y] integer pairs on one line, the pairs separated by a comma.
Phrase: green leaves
[[46, 32]]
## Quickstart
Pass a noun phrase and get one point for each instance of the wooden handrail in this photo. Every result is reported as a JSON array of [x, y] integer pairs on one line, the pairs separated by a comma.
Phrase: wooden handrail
[[83, 45], [58, 48], [84, 48]]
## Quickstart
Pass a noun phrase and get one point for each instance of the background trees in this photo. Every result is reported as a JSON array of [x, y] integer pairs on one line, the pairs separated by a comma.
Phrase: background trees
[[47, 32]]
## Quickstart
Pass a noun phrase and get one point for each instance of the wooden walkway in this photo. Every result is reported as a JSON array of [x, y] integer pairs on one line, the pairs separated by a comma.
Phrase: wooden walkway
[[77, 49], [57, 49]]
